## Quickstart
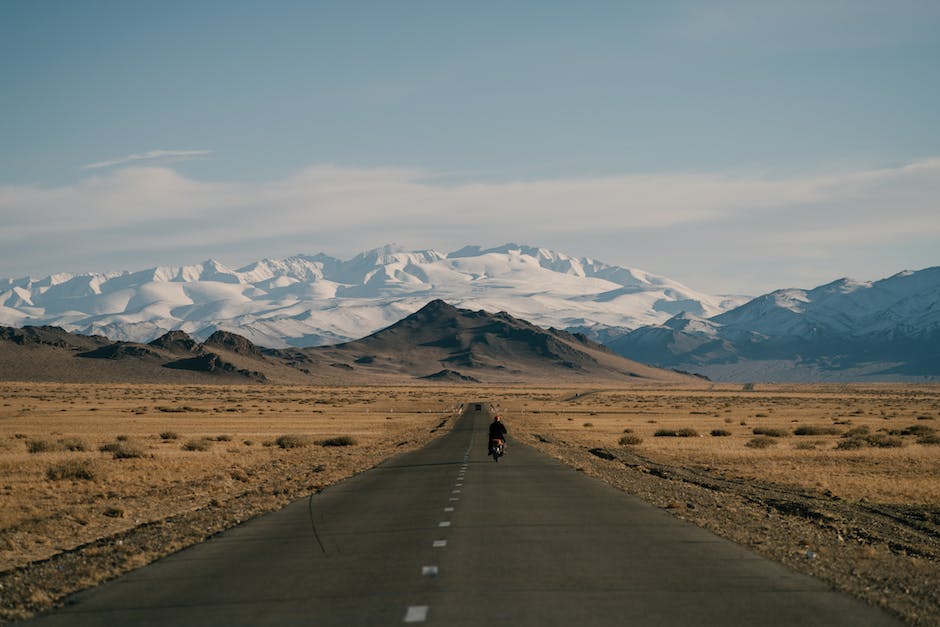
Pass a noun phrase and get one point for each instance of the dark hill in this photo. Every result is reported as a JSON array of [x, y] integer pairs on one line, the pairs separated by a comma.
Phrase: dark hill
[[439, 342], [176, 342], [233, 342], [490, 347]]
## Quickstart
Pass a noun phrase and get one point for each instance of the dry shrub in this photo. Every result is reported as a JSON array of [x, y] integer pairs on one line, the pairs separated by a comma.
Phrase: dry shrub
[[931, 439], [342, 440], [73, 444], [686, 432], [198, 444], [805, 446], [883, 440], [851, 444], [41, 446], [817, 430], [169, 435], [293, 440], [720, 433], [628, 430], [918, 430], [857, 432], [123, 449], [71, 469], [223, 438], [630, 440], [761, 441], [771, 432], [588, 424]]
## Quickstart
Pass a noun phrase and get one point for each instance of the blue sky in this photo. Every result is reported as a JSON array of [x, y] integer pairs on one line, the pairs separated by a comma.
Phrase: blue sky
[[733, 146]]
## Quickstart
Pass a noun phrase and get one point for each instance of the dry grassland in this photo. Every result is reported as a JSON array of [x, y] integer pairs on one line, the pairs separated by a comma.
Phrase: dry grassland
[[855, 501], [887, 467], [82, 466]]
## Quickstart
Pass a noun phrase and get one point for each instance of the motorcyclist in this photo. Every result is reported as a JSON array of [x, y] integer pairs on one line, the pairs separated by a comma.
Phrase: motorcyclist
[[497, 430]]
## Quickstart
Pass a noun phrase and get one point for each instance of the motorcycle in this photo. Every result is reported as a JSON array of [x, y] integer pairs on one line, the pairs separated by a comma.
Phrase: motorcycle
[[497, 447]]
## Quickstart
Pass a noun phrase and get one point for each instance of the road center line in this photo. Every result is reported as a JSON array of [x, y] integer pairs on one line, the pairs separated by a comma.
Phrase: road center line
[[429, 571], [439, 544], [444, 523], [448, 509], [416, 614]]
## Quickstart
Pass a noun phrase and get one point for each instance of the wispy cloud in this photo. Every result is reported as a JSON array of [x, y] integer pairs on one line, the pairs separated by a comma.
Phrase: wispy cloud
[[714, 231], [151, 157]]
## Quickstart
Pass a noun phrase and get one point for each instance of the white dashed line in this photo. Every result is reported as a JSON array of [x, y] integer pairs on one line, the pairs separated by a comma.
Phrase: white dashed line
[[455, 491], [416, 614], [439, 544], [444, 523], [429, 571], [454, 498], [448, 509]]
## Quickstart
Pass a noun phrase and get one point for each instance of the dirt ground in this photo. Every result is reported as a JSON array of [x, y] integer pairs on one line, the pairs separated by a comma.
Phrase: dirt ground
[[854, 502]]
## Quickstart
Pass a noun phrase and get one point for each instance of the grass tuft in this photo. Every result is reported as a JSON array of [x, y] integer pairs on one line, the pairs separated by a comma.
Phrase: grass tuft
[[169, 435], [686, 432], [851, 444], [883, 440], [197, 444], [771, 432], [41, 446], [342, 440], [76, 469], [857, 432], [630, 440], [720, 433], [123, 449], [761, 441], [817, 430], [293, 440]]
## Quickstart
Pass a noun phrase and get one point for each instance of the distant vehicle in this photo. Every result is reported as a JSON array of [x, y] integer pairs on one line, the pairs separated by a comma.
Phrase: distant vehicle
[[479, 406]]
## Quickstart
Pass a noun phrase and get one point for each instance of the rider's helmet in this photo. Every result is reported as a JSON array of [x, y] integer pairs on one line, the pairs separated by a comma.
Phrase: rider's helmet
[[496, 417]]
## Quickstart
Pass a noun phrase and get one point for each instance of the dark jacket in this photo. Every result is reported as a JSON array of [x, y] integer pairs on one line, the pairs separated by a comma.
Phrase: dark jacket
[[497, 430]]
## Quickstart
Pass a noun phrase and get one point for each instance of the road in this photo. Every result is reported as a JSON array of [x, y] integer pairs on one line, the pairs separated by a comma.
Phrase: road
[[446, 536]]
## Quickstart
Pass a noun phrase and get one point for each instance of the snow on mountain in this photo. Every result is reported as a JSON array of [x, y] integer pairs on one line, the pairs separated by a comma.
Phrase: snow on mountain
[[309, 300], [860, 329]]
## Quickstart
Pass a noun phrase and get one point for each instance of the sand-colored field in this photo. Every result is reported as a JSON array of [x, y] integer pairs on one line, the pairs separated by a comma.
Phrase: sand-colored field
[[236, 426], [888, 467]]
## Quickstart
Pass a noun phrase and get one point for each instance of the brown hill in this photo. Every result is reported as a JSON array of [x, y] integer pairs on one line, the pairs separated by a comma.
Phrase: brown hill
[[437, 343], [488, 347], [176, 342]]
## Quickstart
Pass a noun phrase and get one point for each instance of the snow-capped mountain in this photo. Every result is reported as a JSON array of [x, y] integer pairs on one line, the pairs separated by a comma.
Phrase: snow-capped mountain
[[313, 300], [845, 329]]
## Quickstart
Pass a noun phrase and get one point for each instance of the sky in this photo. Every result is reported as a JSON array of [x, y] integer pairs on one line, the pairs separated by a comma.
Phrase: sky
[[734, 146]]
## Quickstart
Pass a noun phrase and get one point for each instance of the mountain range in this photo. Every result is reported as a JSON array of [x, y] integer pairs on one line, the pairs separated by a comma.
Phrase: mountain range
[[438, 343], [843, 331], [310, 300]]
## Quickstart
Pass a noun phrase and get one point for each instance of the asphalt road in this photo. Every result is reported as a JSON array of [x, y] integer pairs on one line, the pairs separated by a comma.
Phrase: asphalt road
[[446, 536]]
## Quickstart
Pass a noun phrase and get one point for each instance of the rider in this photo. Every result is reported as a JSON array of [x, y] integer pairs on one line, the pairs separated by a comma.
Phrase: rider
[[497, 429]]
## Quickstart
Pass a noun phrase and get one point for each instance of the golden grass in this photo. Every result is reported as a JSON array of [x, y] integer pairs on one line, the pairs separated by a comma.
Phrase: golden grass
[[46, 505], [909, 474]]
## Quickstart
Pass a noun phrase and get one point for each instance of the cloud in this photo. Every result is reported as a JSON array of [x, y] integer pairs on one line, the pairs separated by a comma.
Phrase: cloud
[[708, 229], [163, 156]]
